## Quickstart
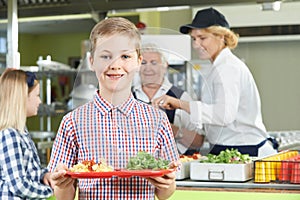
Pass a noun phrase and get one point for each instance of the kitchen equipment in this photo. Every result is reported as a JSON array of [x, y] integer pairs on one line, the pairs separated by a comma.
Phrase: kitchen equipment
[[288, 140]]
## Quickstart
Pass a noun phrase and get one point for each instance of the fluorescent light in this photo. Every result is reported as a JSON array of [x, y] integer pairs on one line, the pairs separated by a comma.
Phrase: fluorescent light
[[51, 18], [273, 6], [162, 8], [270, 38], [276, 5]]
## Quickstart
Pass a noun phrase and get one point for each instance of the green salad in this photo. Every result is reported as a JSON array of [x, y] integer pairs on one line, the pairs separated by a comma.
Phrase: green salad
[[232, 156], [144, 160]]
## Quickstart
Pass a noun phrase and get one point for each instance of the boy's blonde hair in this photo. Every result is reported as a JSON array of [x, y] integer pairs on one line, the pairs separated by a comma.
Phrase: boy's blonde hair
[[115, 25], [230, 37], [13, 99]]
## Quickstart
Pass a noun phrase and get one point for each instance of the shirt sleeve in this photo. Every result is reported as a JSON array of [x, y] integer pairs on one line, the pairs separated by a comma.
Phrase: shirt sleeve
[[221, 105], [64, 148], [183, 119], [14, 168], [196, 113]]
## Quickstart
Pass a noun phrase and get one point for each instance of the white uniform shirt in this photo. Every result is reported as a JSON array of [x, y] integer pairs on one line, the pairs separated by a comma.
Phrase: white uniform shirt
[[230, 108], [181, 118]]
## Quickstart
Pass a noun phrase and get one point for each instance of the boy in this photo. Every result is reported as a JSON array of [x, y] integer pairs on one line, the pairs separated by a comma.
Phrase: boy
[[114, 126]]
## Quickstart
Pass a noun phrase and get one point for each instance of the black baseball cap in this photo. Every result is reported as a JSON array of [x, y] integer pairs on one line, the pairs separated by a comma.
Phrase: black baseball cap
[[205, 18]]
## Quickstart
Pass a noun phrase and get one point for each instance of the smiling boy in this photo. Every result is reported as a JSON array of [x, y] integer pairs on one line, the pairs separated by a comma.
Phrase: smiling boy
[[114, 126]]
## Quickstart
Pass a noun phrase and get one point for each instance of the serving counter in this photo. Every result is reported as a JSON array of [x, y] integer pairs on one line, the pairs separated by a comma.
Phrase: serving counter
[[208, 190], [248, 185], [202, 190]]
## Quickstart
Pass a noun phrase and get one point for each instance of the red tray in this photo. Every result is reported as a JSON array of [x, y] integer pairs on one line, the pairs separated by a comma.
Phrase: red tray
[[121, 173]]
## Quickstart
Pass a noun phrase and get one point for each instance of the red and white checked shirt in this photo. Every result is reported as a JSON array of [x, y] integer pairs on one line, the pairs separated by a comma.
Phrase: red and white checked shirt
[[98, 130]]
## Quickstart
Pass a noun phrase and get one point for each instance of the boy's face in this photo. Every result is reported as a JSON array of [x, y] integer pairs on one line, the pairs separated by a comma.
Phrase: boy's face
[[115, 62]]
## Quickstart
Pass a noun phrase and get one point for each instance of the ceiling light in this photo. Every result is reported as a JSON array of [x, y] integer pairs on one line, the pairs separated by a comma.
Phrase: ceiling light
[[51, 18], [162, 8], [273, 6]]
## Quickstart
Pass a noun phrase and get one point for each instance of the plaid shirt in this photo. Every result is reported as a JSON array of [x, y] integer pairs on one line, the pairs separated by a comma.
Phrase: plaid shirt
[[98, 130], [20, 170]]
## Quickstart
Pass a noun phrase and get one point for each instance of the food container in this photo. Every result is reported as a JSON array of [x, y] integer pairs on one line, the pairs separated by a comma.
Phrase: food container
[[186, 160], [221, 172], [184, 171]]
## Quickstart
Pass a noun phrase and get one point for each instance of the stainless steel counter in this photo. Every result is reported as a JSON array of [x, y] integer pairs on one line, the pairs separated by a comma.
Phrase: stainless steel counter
[[241, 185]]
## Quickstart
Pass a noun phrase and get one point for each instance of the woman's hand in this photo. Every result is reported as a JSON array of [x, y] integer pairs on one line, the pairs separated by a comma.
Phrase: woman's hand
[[171, 103], [166, 102]]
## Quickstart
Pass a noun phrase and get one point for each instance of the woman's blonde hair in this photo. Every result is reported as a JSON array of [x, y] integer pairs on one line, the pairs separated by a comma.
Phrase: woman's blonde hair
[[230, 38], [115, 25], [14, 92]]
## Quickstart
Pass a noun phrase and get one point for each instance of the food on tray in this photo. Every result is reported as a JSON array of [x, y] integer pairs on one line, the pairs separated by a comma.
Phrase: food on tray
[[188, 158], [144, 160], [232, 156], [91, 166]]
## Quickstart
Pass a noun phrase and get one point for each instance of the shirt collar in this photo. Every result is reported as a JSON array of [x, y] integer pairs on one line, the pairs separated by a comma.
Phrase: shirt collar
[[166, 85], [105, 107], [222, 55]]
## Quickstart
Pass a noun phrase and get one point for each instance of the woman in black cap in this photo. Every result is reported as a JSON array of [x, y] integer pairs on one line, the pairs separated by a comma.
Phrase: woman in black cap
[[230, 108]]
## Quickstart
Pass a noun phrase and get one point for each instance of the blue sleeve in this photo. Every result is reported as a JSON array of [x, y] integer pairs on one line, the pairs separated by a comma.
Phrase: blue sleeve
[[21, 171]]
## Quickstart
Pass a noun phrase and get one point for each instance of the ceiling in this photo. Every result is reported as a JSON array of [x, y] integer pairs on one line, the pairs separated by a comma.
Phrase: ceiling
[[99, 8]]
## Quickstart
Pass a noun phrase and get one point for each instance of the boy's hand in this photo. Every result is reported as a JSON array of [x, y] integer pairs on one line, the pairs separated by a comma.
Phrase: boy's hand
[[166, 181], [47, 179], [59, 179]]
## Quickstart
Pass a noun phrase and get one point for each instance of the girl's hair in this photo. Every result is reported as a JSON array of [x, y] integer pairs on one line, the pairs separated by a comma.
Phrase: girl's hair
[[14, 90], [115, 25], [230, 38]]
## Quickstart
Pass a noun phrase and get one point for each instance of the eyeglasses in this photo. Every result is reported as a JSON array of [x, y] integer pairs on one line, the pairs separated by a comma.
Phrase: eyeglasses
[[30, 77]]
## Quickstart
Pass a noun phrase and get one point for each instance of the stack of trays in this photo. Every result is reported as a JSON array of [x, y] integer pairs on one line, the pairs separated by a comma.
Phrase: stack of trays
[[283, 167]]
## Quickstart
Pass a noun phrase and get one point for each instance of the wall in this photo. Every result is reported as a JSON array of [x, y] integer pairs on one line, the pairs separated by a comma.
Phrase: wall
[[245, 15], [59, 46], [276, 69]]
